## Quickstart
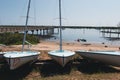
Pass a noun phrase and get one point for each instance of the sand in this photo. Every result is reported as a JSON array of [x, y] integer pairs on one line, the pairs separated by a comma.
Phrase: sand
[[45, 46], [54, 45]]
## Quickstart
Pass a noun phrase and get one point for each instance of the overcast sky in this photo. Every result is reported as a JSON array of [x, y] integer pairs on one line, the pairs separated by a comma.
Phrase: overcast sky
[[74, 12]]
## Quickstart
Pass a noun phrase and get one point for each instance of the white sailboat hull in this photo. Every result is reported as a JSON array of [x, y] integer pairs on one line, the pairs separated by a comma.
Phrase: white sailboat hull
[[61, 60], [107, 57], [19, 60], [61, 57]]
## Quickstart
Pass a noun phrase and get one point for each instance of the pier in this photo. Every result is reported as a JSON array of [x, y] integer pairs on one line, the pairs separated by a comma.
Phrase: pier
[[111, 34], [107, 31], [40, 30]]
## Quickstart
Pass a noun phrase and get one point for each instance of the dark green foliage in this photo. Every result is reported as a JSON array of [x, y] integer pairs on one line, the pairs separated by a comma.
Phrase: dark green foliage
[[16, 38]]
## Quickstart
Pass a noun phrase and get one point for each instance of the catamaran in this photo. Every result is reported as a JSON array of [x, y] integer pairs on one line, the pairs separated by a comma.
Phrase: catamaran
[[107, 57], [61, 56], [16, 59]]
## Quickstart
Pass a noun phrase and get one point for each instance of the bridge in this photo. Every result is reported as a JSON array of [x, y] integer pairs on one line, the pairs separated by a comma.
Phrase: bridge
[[20, 28], [43, 29]]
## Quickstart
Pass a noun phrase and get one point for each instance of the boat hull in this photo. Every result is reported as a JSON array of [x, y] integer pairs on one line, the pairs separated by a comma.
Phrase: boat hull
[[102, 56], [15, 62], [61, 59]]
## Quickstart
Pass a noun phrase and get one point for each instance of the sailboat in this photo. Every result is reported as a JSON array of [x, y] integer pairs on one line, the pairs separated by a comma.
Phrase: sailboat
[[16, 59], [61, 56], [104, 56]]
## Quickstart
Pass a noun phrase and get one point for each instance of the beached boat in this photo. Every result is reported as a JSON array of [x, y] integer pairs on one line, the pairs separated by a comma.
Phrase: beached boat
[[107, 57], [61, 56], [16, 59]]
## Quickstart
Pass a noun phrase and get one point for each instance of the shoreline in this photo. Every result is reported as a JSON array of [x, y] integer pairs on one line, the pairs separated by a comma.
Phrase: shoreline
[[72, 46]]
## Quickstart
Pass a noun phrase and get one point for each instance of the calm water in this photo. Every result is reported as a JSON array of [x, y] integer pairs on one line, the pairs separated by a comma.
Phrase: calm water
[[91, 35]]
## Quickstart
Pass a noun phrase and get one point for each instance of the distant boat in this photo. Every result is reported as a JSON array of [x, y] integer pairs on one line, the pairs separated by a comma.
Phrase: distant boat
[[107, 57], [61, 56], [16, 59]]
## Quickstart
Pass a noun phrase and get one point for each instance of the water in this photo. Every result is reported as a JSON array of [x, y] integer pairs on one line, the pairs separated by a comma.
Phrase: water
[[90, 35]]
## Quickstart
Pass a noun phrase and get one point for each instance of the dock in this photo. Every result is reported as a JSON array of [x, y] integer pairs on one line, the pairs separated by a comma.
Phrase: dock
[[41, 30], [111, 34]]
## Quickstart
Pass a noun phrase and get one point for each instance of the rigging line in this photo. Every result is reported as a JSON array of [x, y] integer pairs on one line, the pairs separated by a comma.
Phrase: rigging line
[[20, 17]]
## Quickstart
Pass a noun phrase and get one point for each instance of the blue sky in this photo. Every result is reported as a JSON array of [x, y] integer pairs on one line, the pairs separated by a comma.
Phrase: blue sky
[[74, 12]]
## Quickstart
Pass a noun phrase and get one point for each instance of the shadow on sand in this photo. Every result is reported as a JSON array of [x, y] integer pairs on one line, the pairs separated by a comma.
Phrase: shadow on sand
[[52, 69], [83, 67], [96, 67], [17, 74]]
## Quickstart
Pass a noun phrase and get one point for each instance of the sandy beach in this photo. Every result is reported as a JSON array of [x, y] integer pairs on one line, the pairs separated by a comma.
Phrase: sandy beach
[[45, 46], [72, 46]]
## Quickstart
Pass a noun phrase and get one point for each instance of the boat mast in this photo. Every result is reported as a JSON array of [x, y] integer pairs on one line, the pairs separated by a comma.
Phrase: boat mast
[[60, 25], [25, 29]]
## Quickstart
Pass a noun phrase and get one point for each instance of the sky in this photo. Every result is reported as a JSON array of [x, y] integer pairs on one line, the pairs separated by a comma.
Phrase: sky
[[74, 12]]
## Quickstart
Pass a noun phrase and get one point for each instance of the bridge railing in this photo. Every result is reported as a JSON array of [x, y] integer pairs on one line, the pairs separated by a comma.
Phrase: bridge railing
[[19, 28]]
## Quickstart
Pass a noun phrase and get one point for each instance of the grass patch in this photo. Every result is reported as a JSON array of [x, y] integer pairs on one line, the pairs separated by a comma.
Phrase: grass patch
[[16, 38]]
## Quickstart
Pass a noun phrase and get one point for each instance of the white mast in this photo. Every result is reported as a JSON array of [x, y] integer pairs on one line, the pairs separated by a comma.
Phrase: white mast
[[25, 29], [60, 25]]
